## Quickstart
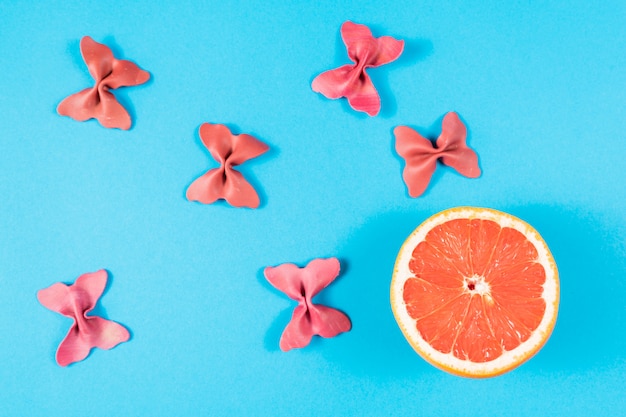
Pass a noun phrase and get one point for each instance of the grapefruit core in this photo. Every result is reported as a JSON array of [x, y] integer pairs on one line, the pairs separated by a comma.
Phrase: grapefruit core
[[475, 291]]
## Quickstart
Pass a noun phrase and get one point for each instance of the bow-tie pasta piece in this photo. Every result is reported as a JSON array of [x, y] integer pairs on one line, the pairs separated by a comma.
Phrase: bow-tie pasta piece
[[225, 182], [352, 81], [75, 301], [308, 319], [421, 155], [109, 73]]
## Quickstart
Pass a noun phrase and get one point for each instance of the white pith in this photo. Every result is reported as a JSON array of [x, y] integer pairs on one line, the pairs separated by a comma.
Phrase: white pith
[[481, 287], [509, 359]]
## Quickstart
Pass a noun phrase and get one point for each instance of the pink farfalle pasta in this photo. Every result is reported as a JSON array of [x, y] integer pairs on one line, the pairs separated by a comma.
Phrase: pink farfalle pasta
[[421, 155], [75, 301], [352, 81], [308, 319], [109, 73], [225, 182]]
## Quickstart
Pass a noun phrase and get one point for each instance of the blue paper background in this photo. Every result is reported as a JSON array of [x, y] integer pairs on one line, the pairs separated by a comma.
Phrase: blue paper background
[[541, 86]]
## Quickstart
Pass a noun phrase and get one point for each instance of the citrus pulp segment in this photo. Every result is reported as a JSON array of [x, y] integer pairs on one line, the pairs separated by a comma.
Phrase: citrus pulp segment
[[475, 291]]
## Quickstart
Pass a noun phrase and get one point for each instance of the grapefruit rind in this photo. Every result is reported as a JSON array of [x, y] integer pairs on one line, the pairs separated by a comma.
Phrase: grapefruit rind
[[447, 361]]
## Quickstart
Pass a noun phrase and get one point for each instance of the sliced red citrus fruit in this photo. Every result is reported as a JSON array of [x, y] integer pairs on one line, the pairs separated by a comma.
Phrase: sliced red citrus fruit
[[475, 291]]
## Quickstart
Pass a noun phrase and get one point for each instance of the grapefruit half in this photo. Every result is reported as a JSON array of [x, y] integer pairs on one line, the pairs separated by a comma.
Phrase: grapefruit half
[[475, 291]]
